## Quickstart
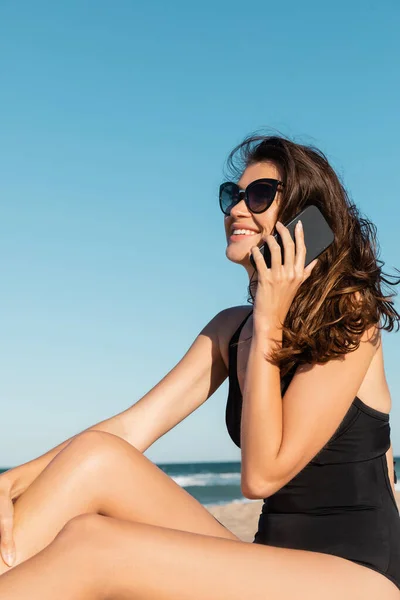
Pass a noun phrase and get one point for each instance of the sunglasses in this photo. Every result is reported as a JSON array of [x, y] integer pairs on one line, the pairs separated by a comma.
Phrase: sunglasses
[[258, 195]]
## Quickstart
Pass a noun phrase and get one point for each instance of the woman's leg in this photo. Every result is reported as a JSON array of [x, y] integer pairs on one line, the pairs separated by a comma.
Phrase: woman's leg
[[101, 473], [67, 569], [99, 558]]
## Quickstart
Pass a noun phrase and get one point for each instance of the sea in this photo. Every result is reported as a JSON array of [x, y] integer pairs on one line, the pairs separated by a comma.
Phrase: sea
[[218, 482], [215, 482]]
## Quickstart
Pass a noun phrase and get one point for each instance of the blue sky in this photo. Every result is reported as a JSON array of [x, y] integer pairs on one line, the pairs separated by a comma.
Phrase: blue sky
[[116, 119]]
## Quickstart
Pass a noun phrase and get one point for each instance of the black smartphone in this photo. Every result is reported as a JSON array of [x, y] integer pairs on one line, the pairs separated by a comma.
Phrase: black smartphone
[[317, 235]]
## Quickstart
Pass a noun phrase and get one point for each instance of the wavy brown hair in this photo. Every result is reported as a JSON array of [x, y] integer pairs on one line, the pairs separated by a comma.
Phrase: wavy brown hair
[[343, 295]]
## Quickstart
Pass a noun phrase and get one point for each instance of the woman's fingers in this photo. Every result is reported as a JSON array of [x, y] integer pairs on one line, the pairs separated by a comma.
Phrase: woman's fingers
[[300, 248], [7, 545], [309, 268], [294, 255], [301, 252], [288, 245], [260, 261], [276, 254]]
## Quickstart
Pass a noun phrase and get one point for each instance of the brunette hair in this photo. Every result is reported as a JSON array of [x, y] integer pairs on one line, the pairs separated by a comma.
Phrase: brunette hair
[[343, 296]]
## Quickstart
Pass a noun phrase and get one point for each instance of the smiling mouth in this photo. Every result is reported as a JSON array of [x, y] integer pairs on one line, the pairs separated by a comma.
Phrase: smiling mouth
[[240, 234]]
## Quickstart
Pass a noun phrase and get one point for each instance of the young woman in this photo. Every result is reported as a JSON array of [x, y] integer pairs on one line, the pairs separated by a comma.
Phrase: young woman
[[308, 404]]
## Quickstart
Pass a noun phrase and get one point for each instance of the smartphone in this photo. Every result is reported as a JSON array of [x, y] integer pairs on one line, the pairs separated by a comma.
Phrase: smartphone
[[317, 236]]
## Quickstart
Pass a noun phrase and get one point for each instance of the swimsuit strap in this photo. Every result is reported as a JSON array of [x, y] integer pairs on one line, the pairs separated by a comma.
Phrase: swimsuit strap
[[235, 338]]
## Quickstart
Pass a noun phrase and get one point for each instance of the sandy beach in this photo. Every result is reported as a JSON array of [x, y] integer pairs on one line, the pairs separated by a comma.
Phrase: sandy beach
[[242, 519]]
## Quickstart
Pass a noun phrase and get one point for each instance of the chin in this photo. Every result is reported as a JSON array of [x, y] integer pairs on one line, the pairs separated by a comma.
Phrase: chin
[[241, 256]]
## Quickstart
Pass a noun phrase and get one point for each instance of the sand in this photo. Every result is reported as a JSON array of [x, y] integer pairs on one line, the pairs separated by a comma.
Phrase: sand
[[242, 519]]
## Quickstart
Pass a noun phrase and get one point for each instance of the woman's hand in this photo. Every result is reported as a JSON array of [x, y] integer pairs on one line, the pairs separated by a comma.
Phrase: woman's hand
[[6, 521], [278, 285]]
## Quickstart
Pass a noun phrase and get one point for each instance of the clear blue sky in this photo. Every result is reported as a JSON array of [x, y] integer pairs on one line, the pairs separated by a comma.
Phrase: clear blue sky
[[116, 119]]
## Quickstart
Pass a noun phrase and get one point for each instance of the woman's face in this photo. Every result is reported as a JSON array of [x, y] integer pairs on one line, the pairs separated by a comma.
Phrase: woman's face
[[239, 246]]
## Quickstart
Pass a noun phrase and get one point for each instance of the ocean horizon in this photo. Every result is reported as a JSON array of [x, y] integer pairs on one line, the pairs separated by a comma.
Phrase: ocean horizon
[[214, 483]]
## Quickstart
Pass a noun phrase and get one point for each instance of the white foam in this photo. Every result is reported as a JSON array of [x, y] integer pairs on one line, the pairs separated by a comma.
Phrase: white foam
[[207, 479]]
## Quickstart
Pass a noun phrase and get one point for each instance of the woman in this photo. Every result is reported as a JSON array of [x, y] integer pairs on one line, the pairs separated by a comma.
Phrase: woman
[[308, 404]]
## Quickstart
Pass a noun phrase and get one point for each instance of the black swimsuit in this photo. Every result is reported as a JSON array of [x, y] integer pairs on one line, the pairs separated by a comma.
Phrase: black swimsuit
[[342, 502]]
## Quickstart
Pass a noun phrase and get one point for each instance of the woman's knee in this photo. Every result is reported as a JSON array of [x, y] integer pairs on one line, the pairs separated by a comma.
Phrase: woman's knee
[[96, 448], [84, 529], [81, 546]]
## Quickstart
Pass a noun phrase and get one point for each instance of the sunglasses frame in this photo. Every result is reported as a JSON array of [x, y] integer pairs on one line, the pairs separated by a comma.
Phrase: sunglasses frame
[[243, 193]]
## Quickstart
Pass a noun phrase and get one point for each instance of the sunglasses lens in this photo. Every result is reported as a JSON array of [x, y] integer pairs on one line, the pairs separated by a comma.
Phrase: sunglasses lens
[[228, 196], [260, 196]]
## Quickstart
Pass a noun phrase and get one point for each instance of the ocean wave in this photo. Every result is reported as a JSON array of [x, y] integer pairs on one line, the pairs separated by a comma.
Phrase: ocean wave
[[219, 479], [207, 479]]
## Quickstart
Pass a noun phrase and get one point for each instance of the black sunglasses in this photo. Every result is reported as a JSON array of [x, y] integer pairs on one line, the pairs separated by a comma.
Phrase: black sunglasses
[[258, 195]]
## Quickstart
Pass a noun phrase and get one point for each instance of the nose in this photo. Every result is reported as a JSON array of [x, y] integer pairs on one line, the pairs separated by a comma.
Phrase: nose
[[239, 208]]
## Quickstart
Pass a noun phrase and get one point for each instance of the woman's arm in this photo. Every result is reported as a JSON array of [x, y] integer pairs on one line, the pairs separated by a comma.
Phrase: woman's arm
[[22, 476], [279, 436], [190, 383]]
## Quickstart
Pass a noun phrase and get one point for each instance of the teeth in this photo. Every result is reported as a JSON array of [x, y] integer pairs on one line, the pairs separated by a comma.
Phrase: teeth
[[243, 231]]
